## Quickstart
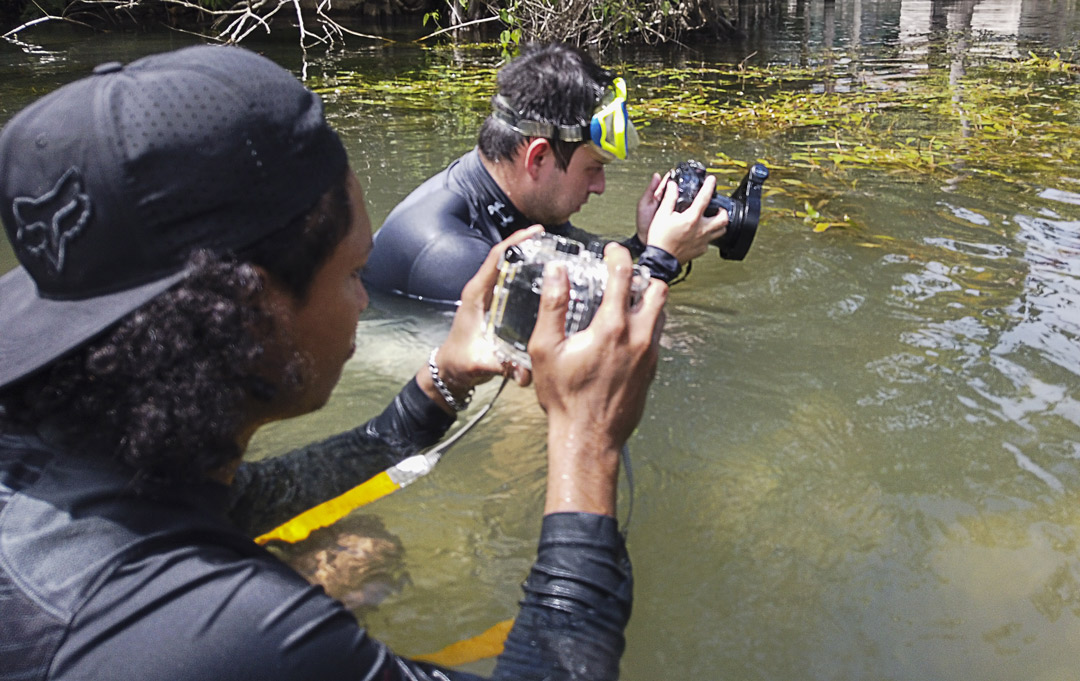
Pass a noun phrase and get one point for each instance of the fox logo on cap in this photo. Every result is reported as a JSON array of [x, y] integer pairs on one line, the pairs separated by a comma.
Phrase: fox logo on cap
[[47, 223]]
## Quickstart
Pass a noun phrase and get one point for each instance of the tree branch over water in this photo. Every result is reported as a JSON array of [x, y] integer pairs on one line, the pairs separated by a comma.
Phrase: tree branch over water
[[600, 23], [595, 24], [229, 23]]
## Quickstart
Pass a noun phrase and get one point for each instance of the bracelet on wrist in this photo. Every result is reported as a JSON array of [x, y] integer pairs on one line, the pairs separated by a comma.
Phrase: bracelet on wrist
[[444, 391]]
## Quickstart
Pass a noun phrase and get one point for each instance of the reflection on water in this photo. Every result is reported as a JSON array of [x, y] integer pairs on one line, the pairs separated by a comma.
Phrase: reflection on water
[[861, 454]]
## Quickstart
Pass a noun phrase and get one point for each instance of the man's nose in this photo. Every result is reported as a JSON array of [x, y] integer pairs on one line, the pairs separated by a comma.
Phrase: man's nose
[[597, 186]]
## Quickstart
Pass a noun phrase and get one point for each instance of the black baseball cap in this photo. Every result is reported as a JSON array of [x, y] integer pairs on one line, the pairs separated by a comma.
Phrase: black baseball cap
[[109, 183]]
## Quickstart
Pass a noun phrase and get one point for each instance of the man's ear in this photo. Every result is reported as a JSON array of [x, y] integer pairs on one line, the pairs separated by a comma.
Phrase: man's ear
[[538, 153]]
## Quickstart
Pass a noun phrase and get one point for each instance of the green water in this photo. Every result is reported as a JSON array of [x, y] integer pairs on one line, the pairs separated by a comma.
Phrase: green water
[[861, 455]]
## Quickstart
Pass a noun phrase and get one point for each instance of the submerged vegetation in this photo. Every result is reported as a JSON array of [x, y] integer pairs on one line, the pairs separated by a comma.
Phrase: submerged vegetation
[[825, 131], [1010, 120]]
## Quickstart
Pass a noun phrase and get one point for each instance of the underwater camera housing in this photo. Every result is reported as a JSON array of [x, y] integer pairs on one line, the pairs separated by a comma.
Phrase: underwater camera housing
[[516, 299], [743, 206]]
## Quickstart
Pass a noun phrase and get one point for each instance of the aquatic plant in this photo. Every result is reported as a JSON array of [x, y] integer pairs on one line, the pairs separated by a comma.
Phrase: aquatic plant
[[1009, 120], [1012, 121]]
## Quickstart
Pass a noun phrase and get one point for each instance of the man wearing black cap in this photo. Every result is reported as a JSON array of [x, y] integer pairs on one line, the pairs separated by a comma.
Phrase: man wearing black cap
[[190, 240], [558, 118]]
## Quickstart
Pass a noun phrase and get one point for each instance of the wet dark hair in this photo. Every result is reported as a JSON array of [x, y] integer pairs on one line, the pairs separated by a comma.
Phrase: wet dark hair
[[162, 389], [552, 83]]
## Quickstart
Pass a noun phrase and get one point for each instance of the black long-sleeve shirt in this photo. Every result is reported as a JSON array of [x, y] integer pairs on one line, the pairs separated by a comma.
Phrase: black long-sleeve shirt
[[98, 582]]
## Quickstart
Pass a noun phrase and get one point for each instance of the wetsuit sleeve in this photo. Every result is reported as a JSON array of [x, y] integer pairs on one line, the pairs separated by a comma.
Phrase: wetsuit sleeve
[[267, 493], [634, 245], [577, 603], [662, 265], [578, 593]]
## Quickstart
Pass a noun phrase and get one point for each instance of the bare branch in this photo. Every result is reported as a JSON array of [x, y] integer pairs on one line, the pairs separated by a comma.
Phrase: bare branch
[[39, 20], [342, 29], [233, 24], [457, 27], [10, 35], [199, 8], [582, 22]]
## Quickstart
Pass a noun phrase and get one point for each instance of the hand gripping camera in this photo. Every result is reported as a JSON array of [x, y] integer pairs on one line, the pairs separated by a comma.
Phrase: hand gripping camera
[[516, 299], [743, 206]]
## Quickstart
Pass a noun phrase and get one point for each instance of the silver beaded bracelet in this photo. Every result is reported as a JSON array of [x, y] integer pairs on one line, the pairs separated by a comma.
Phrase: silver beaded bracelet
[[441, 387]]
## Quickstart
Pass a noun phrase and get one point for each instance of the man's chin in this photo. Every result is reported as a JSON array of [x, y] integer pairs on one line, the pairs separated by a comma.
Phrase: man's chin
[[562, 219]]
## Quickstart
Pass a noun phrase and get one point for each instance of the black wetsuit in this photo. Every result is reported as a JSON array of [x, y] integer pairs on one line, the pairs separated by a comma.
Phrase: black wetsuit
[[435, 240], [97, 582]]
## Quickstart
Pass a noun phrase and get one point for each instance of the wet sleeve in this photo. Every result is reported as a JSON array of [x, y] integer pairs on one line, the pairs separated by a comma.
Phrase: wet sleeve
[[634, 245], [267, 493], [577, 603], [662, 265]]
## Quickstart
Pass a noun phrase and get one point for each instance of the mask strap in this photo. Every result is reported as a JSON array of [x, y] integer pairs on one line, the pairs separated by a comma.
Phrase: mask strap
[[505, 114]]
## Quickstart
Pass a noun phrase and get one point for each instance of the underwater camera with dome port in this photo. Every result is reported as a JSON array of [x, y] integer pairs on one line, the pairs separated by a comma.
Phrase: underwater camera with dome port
[[743, 206]]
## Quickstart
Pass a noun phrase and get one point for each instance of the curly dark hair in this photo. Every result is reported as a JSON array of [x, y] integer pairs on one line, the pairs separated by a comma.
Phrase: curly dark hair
[[552, 83], [162, 389]]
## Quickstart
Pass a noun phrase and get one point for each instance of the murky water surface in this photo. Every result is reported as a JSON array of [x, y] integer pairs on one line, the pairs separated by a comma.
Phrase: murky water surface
[[861, 456]]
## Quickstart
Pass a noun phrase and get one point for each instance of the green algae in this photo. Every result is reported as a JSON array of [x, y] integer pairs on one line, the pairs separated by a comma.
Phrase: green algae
[[826, 128]]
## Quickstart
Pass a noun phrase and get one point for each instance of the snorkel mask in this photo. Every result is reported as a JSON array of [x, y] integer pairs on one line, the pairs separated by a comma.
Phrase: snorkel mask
[[610, 129]]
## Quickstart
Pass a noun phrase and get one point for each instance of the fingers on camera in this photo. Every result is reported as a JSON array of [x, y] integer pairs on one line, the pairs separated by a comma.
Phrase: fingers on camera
[[554, 298]]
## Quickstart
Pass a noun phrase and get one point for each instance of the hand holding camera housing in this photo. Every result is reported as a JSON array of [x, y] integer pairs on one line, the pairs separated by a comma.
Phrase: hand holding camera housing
[[516, 298]]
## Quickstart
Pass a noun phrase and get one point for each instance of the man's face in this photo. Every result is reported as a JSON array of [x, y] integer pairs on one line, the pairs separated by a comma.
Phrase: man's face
[[561, 193], [323, 326]]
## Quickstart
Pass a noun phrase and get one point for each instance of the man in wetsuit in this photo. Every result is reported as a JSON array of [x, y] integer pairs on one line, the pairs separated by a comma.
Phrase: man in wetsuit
[[190, 238], [556, 120]]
